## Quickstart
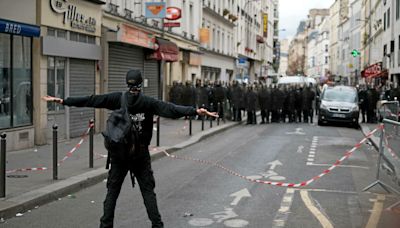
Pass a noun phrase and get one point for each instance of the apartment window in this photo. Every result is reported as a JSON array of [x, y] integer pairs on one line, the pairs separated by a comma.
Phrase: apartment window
[[326, 48], [326, 59], [397, 9], [398, 55], [384, 21], [55, 81], [388, 18]]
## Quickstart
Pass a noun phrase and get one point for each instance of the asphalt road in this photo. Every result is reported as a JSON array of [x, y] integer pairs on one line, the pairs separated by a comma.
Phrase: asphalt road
[[193, 194]]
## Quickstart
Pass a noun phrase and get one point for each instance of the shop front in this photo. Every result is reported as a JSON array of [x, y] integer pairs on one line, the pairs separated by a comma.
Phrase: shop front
[[70, 55], [375, 74], [16, 97]]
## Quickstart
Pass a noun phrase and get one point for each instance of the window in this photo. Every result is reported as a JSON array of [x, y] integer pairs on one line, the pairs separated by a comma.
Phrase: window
[[384, 21], [388, 18], [326, 59], [15, 81], [57, 33], [326, 48], [397, 9], [55, 81]]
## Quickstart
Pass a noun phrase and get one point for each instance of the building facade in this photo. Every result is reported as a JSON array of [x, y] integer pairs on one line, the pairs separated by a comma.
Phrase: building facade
[[19, 72]]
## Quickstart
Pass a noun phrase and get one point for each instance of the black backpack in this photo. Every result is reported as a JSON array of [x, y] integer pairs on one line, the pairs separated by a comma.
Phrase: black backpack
[[121, 134]]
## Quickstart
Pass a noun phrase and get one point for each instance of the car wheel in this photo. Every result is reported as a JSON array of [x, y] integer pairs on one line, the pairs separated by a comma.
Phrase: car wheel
[[320, 123]]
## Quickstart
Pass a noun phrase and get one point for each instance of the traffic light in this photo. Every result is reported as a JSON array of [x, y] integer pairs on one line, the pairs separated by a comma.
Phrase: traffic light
[[355, 53]]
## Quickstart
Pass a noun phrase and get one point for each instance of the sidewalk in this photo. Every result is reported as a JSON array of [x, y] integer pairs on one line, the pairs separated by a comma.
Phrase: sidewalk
[[28, 189]]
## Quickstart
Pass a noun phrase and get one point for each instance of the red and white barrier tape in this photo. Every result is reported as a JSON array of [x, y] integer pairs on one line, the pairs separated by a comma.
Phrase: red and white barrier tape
[[77, 146], [185, 126], [68, 155], [390, 149], [281, 184]]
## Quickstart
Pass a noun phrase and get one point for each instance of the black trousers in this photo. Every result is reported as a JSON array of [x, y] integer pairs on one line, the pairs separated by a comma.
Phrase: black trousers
[[140, 167]]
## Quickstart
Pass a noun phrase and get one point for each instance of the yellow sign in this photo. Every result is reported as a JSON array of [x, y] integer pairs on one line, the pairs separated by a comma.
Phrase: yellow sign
[[350, 65], [204, 35], [265, 24]]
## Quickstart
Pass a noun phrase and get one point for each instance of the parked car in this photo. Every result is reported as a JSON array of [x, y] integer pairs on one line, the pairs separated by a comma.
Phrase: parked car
[[296, 80], [339, 104]]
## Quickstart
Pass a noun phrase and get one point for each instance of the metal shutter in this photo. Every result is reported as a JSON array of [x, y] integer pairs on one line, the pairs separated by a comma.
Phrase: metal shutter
[[82, 83], [121, 60], [151, 74]]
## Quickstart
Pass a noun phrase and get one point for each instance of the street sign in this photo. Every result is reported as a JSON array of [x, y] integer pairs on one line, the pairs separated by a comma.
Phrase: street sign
[[355, 53], [155, 10], [172, 24], [173, 13]]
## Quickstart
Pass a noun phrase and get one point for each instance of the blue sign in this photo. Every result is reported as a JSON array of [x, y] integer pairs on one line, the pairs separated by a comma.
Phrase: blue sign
[[17, 28], [155, 10], [242, 60]]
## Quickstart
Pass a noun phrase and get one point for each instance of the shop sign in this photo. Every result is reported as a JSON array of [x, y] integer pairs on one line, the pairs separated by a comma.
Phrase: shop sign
[[172, 24], [265, 24], [194, 59], [73, 15], [132, 35], [373, 70], [155, 10], [173, 13], [16, 28], [204, 35]]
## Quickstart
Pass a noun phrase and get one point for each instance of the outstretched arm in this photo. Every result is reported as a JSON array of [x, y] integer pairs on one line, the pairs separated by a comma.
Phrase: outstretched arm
[[109, 101], [170, 110]]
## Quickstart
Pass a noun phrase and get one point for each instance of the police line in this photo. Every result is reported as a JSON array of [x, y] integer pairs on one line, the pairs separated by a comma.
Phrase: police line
[[281, 184]]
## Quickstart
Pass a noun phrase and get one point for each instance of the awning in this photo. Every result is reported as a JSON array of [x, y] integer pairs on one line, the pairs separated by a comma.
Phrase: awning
[[167, 51]]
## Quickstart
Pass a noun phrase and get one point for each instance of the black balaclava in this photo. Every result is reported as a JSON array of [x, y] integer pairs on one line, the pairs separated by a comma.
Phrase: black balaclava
[[134, 81]]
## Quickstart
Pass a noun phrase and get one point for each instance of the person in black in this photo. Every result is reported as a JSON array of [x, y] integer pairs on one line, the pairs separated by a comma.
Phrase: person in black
[[362, 97], [141, 109], [251, 104]]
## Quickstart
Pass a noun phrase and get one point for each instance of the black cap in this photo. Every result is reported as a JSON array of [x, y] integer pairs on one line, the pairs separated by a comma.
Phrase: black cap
[[134, 78]]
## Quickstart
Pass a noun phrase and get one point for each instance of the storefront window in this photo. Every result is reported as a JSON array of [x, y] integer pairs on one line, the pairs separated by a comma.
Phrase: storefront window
[[15, 81], [22, 71], [5, 67], [55, 81]]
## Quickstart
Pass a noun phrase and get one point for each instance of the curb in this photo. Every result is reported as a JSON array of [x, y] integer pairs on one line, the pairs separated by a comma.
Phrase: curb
[[52, 192]]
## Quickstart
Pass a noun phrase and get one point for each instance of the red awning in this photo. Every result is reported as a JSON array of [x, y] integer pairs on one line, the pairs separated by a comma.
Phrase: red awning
[[167, 51]]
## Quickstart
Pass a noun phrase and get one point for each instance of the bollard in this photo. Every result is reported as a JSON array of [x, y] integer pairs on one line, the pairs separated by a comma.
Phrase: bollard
[[55, 153], [218, 110], [158, 131], [91, 131], [202, 120], [3, 166], [190, 126]]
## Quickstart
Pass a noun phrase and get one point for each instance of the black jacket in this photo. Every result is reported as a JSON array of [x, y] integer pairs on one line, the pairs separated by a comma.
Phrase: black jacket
[[142, 106]]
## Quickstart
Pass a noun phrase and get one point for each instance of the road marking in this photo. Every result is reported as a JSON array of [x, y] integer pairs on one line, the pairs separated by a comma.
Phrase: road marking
[[318, 214], [342, 166], [376, 212], [311, 152], [284, 211], [239, 195], [274, 164], [326, 190]]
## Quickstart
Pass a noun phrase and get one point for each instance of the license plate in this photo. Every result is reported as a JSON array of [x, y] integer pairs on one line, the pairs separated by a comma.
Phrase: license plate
[[337, 115]]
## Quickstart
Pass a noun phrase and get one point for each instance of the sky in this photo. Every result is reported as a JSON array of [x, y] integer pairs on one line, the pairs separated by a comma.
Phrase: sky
[[291, 12]]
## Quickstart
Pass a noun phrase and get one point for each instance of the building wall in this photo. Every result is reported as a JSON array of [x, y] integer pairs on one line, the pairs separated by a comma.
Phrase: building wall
[[333, 37], [21, 10]]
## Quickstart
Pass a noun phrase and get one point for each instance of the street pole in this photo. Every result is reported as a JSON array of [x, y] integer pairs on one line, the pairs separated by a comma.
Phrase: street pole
[[160, 82]]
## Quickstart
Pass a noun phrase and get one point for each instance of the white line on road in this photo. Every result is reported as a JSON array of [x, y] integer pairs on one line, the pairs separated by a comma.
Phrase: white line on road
[[314, 210], [342, 166], [284, 211]]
